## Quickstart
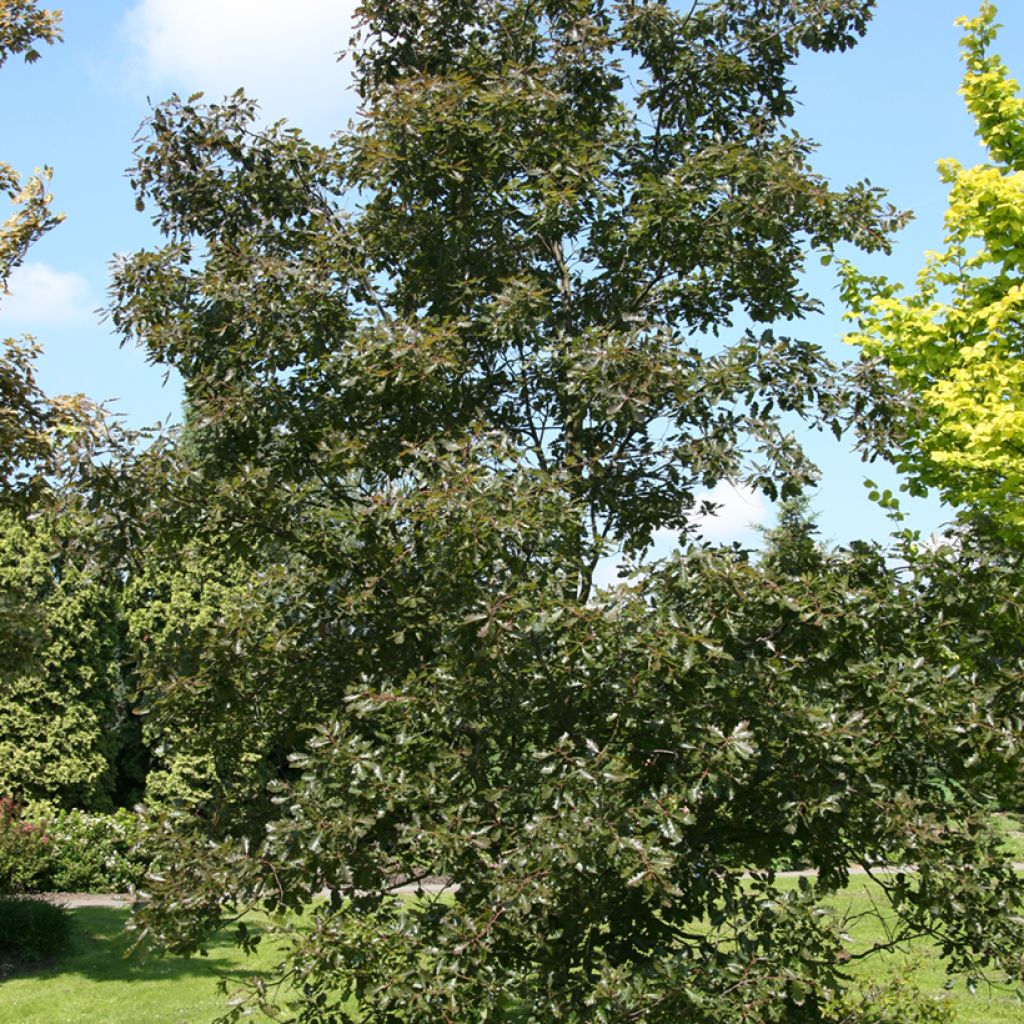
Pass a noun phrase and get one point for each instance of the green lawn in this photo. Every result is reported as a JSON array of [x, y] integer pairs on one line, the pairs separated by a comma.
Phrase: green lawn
[[96, 984], [986, 1006], [1012, 828]]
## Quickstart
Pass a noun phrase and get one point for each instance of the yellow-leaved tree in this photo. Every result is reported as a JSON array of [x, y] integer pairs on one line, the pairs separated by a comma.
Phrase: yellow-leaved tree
[[955, 343]]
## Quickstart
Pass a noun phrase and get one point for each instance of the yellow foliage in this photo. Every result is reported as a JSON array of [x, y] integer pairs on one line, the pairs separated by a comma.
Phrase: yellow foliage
[[955, 343]]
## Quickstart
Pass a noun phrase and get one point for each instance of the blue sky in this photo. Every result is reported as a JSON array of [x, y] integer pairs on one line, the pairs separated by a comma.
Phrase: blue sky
[[886, 110]]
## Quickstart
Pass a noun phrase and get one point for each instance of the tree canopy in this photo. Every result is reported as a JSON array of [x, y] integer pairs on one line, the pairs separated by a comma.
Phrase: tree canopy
[[954, 344], [62, 698], [435, 370]]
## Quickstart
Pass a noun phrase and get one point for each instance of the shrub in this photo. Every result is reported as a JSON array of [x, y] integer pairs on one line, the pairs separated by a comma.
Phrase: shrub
[[893, 1001], [60, 648], [24, 850], [94, 852], [32, 929], [46, 849]]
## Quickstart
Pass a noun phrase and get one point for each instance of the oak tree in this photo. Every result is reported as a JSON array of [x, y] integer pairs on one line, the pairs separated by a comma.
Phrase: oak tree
[[435, 370]]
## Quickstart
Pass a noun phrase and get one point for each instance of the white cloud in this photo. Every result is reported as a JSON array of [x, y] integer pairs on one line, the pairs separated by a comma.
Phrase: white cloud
[[283, 54], [741, 508], [42, 295]]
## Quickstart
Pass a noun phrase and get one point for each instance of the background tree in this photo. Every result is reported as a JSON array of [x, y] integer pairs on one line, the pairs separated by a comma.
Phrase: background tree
[[972, 584], [435, 371], [792, 545], [954, 345], [63, 703], [26, 416], [65, 734], [236, 642]]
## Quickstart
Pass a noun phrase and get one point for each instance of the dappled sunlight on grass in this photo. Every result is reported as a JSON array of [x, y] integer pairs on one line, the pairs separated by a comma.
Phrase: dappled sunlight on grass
[[1011, 828], [97, 983], [918, 963]]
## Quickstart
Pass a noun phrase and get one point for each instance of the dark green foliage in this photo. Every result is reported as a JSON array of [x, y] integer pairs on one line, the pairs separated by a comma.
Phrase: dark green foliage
[[792, 547], [414, 429], [32, 930], [619, 785], [235, 644], [973, 579]]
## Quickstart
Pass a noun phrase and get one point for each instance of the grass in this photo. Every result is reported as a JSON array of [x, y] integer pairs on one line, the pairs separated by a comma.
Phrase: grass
[[995, 1005], [96, 984], [1011, 827]]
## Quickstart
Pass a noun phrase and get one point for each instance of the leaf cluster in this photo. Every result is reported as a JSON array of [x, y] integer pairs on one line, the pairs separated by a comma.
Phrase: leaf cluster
[[953, 345]]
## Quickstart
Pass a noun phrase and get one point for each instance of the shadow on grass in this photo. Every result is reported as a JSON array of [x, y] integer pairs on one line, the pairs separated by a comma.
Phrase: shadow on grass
[[101, 951]]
